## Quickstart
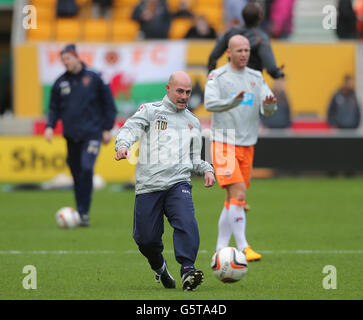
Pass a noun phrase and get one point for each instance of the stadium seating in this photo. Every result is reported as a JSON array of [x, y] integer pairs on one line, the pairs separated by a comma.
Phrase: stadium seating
[[122, 12], [117, 29], [67, 29], [42, 3], [179, 27], [96, 30], [45, 13], [173, 5], [124, 30], [81, 3], [123, 3], [43, 32], [213, 14], [209, 3]]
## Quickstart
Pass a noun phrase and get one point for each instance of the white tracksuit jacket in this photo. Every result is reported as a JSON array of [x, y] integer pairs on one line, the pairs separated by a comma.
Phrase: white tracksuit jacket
[[240, 117]]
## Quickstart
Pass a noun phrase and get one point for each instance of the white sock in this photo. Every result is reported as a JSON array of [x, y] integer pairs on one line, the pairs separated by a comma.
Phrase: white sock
[[237, 221], [224, 229]]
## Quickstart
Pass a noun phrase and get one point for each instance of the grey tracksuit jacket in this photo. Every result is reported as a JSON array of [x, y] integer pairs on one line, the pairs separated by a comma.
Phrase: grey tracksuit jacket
[[170, 145]]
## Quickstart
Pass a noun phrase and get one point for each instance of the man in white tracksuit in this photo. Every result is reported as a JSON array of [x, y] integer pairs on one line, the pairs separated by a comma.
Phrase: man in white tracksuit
[[236, 95], [170, 148]]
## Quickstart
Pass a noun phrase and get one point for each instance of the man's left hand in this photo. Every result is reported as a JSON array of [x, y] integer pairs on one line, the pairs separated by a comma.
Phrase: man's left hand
[[270, 100], [209, 179], [269, 105], [106, 136]]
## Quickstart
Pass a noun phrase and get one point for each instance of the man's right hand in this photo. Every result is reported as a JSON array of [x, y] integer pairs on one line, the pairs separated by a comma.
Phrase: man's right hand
[[48, 134], [122, 153], [238, 98], [240, 95]]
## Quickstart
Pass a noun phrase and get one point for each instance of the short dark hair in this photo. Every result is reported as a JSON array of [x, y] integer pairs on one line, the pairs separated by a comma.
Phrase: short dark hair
[[252, 14], [348, 77], [70, 48]]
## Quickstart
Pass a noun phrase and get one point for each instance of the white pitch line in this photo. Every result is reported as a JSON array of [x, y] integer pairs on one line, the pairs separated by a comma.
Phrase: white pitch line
[[311, 251], [59, 252], [165, 251], [96, 252], [281, 251]]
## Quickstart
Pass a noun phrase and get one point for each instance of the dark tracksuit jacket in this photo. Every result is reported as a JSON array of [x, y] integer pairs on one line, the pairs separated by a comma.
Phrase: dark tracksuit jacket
[[86, 107], [261, 56], [84, 104]]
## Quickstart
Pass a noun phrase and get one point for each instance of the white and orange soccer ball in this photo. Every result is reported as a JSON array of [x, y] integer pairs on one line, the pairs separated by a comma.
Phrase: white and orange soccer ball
[[229, 265], [67, 218]]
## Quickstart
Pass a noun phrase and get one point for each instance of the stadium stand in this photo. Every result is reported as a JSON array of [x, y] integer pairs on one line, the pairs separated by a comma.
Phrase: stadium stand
[[96, 30], [45, 12], [307, 21], [117, 29], [43, 3], [67, 29], [124, 30], [122, 12], [126, 3], [43, 32], [179, 27], [213, 12]]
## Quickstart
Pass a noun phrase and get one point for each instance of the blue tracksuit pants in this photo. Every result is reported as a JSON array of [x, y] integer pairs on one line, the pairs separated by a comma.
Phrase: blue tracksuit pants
[[81, 159], [177, 205]]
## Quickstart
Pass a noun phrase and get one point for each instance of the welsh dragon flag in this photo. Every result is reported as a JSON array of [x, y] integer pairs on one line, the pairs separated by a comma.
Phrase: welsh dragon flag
[[136, 72]]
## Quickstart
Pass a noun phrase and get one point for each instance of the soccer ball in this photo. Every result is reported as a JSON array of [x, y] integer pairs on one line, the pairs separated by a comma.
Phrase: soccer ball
[[229, 264], [67, 218]]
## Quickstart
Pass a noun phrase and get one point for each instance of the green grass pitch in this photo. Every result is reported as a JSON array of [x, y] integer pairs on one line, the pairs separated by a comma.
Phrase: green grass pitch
[[299, 225]]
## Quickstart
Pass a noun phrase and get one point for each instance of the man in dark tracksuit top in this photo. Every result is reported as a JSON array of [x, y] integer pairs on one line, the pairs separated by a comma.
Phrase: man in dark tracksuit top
[[84, 103], [261, 56]]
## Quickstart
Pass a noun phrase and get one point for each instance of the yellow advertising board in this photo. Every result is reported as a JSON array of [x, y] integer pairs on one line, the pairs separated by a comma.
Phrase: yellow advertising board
[[33, 159]]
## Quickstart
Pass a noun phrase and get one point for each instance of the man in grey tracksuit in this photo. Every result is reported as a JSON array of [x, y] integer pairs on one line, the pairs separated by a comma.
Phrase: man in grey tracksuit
[[170, 147]]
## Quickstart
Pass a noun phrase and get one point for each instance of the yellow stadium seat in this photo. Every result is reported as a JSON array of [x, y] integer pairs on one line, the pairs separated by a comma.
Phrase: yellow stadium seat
[[212, 14], [45, 13], [123, 3], [43, 3], [43, 32], [67, 29], [83, 2], [124, 30], [173, 5], [210, 3], [122, 12], [209, 12], [117, 3], [96, 30], [179, 27]]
